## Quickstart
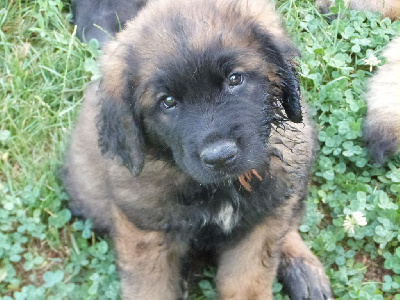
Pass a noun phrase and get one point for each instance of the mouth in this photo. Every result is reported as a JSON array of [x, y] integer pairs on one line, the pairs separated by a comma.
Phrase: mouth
[[246, 178]]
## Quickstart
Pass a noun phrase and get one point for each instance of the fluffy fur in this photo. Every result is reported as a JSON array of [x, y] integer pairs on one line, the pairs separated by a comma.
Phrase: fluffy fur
[[388, 8], [195, 141], [382, 124]]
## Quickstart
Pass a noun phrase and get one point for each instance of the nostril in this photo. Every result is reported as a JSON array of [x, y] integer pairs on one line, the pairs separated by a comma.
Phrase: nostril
[[220, 154]]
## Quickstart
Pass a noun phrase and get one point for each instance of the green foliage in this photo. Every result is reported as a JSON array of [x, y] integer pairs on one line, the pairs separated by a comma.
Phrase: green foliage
[[43, 69], [207, 286], [44, 254], [334, 76]]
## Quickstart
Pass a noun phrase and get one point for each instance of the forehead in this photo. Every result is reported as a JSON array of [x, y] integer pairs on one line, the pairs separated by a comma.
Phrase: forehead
[[183, 59], [194, 23], [192, 46], [175, 33], [192, 34], [204, 66]]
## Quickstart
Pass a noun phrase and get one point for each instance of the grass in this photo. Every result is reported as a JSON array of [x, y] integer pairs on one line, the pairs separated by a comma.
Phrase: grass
[[44, 254]]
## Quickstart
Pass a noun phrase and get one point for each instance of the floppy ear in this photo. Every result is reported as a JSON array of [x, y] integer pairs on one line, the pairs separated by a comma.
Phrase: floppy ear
[[281, 52], [120, 132]]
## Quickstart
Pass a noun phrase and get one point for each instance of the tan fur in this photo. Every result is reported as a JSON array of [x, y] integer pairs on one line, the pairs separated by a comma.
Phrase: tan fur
[[388, 8], [152, 259], [383, 99], [114, 66], [85, 155], [247, 270]]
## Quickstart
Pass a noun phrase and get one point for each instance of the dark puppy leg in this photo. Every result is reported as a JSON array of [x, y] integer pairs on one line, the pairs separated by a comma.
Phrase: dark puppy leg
[[300, 272], [148, 262]]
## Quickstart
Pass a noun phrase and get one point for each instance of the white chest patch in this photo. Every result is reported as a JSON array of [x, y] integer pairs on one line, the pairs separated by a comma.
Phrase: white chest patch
[[227, 218]]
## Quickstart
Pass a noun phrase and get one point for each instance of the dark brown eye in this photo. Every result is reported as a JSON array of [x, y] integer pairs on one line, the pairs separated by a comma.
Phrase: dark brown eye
[[235, 79], [169, 102]]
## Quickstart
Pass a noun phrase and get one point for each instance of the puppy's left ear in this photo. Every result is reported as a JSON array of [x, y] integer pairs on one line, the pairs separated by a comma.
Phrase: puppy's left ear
[[281, 52]]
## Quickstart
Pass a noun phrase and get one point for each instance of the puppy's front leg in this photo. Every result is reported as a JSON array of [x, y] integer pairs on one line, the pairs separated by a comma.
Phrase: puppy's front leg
[[149, 263], [301, 273], [247, 270]]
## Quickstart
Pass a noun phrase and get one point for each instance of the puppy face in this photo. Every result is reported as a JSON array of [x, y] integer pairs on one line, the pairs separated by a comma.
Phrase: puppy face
[[203, 94], [210, 111]]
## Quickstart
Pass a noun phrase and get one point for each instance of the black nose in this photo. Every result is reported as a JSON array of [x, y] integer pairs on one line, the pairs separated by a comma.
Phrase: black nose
[[220, 154]]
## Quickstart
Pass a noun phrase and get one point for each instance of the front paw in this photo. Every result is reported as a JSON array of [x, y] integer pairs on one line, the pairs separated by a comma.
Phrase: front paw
[[304, 278]]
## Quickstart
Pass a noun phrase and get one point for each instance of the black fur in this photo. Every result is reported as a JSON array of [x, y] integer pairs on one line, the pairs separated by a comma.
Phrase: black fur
[[101, 19], [199, 82], [381, 144], [208, 110], [295, 277], [290, 96], [120, 135], [192, 215]]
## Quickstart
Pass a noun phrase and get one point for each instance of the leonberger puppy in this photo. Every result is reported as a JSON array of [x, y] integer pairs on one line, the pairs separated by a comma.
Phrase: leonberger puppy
[[388, 8], [382, 124], [195, 141]]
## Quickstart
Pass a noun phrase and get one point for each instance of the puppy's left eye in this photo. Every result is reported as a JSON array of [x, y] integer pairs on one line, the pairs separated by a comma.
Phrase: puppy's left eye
[[235, 79]]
